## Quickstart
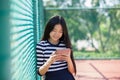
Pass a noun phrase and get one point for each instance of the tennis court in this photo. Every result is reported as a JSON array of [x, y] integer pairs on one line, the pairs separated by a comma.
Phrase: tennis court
[[98, 69]]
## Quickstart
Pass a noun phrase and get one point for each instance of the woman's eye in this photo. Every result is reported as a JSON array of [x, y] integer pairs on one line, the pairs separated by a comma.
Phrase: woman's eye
[[57, 31], [54, 31], [60, 32]]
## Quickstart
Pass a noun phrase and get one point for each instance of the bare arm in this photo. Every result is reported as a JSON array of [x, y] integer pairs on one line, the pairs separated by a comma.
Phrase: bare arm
[[70, 66], [43, 69]]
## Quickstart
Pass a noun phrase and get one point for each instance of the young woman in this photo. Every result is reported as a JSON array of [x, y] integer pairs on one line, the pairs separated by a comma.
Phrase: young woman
[[54, 52]]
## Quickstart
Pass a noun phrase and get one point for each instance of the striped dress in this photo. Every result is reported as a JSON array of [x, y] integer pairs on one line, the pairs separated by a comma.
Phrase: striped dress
[[44, 49]]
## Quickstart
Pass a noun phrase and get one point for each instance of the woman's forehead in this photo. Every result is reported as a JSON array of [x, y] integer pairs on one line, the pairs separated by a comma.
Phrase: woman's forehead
[[58, 26]]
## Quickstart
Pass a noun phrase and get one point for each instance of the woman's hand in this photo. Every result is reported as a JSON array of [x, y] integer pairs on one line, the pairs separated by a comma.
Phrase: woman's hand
[[64, 54], [55, 57]]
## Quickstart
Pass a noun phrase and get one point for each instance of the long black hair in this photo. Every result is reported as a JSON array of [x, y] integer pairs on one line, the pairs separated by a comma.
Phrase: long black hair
[[65, 37]]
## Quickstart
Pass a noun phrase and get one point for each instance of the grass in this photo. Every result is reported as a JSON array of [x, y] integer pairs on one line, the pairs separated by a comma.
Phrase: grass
[[93, 55]]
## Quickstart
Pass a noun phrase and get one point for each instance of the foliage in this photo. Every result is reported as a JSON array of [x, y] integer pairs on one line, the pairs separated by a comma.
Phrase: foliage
[[101, 24]]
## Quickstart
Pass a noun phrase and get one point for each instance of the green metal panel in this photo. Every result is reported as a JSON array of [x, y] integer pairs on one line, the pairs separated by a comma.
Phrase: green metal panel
[[4, 39], [23, 60], [38, 18], [20, 30], [41, 17], [39, 22]]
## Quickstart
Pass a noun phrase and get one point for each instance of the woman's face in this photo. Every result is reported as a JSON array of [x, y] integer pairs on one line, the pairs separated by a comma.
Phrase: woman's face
[[56, 33]]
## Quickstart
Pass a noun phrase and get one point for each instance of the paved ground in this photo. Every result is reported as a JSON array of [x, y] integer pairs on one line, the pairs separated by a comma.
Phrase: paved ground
[[98, 69]]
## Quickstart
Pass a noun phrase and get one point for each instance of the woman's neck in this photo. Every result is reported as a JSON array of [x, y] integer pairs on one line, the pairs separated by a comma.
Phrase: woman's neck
[[53, 42]]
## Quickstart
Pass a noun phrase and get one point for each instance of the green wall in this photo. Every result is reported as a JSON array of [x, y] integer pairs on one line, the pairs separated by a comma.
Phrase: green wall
[[20, 30]]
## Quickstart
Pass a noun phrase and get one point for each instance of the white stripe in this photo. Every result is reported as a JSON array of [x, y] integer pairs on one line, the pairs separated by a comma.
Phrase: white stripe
[[40, 47], [46, 56], [39, 59], [52, 66], [39, 51], [58, 62], [48, 51], [39, 62]]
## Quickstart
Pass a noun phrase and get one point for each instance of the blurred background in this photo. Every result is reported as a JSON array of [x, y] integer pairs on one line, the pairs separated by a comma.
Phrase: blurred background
[[93, 26]]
